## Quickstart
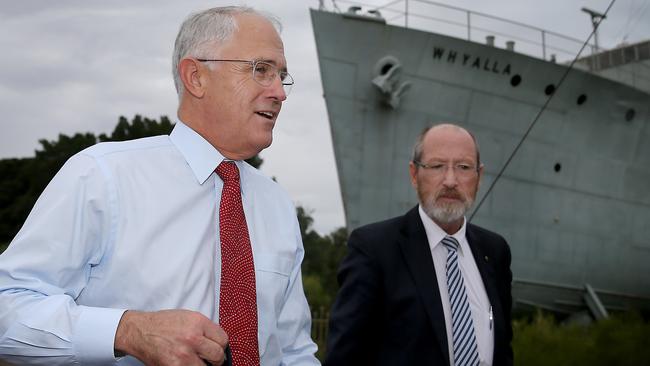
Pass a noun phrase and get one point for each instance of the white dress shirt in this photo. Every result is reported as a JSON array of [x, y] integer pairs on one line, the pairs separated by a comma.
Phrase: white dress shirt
[[134, 225], [474, 287]]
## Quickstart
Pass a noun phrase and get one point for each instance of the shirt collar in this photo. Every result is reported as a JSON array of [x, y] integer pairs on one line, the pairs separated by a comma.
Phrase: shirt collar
[[435, 234], [200, 155]]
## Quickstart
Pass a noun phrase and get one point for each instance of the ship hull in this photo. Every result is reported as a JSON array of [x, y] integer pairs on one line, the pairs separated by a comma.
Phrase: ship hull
[[574, 202]]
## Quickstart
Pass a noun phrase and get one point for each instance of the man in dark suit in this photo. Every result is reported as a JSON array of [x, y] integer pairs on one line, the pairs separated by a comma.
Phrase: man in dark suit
[[427, 288]]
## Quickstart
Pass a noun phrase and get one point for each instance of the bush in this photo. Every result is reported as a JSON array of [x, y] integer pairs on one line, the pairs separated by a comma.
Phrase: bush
[[620, 340]]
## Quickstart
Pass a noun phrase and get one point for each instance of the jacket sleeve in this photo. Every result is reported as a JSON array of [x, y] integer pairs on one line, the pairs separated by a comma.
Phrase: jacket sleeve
[[353, 320], [506, 300]]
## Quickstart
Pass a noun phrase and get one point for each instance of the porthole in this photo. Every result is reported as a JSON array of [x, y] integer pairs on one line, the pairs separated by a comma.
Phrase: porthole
[[515, 80], [581, 99], [557, 167], [550, 89]]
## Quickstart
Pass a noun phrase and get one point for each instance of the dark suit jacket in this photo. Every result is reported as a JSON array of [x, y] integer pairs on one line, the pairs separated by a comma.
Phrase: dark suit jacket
[[388, 310]]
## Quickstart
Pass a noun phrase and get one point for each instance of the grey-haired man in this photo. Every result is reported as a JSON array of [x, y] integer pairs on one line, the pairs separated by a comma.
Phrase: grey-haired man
[[169, 250]]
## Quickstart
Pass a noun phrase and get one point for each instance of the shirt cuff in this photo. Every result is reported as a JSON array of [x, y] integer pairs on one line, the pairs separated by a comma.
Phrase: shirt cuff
[[95, 335]]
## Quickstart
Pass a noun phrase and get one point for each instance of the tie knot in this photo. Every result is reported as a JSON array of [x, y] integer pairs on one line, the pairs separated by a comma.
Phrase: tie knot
[[228, 172], [450, 242]]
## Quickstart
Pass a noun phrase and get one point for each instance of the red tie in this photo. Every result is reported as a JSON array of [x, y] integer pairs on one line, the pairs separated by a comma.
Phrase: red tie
[[237, 302]]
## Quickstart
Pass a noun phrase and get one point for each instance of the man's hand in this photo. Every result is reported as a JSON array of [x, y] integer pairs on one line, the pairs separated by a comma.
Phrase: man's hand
[[171, 337]]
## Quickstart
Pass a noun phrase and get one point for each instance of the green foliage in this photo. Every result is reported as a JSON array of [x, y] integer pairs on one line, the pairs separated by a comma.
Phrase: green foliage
[[322, 257], [255, 161], [144, 127], [138, 127], [620, 340], [23, 180], [65, 147], [13, 208], [315, 291]]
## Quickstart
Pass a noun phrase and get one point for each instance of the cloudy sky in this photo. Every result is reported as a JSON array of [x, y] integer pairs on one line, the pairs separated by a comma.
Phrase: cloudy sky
[[75, 65]]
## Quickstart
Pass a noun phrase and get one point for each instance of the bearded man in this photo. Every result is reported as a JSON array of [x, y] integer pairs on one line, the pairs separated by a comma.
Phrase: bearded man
[[427, 288]]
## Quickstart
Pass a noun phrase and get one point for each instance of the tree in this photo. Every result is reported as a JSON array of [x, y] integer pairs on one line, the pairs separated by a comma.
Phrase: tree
[[322, 257], [23, 180], [143, 127], [138, 127], [15, 199]]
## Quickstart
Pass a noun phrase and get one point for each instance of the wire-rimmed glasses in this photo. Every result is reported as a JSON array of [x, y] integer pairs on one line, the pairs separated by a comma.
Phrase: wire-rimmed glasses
[[263, 72], [439, 169]]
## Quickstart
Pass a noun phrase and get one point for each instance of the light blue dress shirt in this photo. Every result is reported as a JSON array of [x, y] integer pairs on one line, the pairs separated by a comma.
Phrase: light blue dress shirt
[[134, 225]]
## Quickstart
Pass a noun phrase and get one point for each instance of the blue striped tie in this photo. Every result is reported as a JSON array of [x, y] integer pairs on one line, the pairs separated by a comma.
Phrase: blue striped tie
[[462, 325]]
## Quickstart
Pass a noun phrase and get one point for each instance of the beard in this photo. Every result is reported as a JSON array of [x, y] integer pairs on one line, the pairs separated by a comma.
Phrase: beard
[[445, 212]]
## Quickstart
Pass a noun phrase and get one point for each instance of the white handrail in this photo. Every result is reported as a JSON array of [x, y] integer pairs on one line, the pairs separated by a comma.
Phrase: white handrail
[[541, 47]]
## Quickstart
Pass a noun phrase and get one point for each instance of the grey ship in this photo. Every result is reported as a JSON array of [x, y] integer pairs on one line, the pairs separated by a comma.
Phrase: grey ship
[[574, 203]]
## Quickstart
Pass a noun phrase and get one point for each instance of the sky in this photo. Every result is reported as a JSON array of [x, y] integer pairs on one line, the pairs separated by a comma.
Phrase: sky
[[73, 66]]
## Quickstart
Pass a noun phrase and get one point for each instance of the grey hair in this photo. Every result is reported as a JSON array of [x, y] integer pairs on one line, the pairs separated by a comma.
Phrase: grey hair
[[419, 142], [207, 29]]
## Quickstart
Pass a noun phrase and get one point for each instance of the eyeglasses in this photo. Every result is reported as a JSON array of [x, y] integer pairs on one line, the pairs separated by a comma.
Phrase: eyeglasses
[[461, 170], [264, 73]]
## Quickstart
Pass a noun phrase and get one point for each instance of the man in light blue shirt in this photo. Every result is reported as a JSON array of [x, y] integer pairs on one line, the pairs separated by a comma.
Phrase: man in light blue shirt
[[119, 262]]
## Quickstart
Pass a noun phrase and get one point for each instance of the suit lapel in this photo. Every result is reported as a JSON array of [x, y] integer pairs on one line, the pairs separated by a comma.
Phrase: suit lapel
[[482, 260], [415, 248]]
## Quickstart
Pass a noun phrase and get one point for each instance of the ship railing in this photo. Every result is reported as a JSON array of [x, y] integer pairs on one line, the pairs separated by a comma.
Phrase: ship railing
[[473, 26]]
